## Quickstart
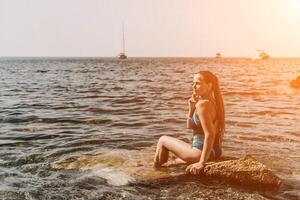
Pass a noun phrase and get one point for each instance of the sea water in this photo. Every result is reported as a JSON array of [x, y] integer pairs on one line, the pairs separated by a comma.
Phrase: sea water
[[60, 109]]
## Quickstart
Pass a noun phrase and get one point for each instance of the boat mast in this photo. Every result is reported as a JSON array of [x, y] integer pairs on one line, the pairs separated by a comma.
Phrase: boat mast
[[123, 37]]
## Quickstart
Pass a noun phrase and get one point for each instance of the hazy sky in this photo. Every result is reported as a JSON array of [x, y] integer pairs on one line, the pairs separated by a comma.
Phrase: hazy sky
[[152, 27]]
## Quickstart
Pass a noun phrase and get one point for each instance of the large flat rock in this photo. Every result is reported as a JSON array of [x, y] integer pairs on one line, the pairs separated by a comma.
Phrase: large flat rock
[[245, 171], [123, 167]]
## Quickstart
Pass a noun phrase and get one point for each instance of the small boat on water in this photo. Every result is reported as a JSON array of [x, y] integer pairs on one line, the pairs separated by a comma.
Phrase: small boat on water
[[218, 55], [261, 55], [122, 55]]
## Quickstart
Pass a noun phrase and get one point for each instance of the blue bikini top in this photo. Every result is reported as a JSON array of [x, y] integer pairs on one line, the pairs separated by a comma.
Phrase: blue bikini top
[[198, 129]]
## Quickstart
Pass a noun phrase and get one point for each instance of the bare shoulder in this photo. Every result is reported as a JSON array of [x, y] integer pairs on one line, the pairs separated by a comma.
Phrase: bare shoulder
[[204, 105]]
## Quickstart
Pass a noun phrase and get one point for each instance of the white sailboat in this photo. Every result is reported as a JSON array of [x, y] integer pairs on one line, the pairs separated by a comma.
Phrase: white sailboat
[[122, 55]]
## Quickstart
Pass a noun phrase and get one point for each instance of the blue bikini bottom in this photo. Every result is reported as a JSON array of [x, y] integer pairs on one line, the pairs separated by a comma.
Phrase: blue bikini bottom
[[197, 142]]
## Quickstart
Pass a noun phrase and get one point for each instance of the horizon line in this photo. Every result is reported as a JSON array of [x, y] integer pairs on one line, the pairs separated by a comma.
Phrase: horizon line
[[272, 57]]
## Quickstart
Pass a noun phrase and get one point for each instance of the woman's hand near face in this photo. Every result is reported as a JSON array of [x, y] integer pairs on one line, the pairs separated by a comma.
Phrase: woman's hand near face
[[192, 105]]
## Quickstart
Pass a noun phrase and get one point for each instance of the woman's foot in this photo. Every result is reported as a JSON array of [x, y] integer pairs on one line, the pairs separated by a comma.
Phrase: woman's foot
[[175, 162], [156, 164]]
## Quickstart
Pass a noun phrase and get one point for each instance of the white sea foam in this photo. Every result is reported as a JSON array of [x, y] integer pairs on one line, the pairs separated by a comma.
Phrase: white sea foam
[[113, 176]]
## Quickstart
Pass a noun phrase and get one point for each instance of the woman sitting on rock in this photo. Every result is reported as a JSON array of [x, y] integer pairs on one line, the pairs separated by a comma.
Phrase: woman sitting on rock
[[206, 118]]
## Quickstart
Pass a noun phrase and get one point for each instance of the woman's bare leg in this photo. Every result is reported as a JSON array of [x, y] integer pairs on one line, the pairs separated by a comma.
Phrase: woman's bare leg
[[180, 148], [161, 154]]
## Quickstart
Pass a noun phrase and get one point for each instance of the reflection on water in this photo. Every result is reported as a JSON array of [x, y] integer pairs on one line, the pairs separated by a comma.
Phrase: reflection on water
[[62, 109]]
